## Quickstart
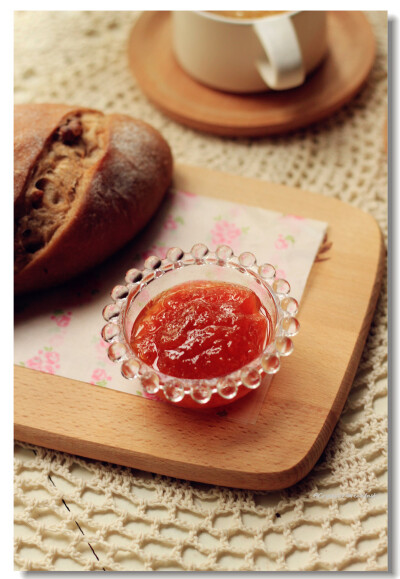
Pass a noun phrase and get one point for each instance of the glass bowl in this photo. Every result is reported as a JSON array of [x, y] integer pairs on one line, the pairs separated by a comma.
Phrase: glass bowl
[[159, 275]]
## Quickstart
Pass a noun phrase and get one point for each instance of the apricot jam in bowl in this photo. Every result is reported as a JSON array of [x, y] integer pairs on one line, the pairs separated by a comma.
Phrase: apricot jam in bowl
[[200, 329]]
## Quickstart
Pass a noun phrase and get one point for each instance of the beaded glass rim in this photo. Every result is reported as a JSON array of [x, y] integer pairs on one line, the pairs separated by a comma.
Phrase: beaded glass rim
[[201, 391]]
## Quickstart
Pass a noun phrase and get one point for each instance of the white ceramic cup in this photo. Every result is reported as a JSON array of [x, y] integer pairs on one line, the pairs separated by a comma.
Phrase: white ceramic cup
[[249, 55]]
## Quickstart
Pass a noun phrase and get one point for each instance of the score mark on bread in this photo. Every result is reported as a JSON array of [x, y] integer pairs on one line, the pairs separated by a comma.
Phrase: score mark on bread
[[85, 184], [50, 192]]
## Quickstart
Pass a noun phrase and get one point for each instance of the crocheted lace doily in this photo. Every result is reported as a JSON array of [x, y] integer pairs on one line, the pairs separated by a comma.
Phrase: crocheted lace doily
[[76, 514]]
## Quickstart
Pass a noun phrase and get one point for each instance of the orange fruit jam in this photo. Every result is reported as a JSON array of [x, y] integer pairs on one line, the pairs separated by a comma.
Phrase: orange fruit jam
[[201, 330]]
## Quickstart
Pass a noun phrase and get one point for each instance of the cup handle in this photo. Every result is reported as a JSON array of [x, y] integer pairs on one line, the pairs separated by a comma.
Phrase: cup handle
[[283, 66]]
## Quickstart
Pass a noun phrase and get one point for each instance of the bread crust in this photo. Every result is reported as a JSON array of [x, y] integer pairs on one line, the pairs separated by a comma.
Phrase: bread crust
[[116, 196]]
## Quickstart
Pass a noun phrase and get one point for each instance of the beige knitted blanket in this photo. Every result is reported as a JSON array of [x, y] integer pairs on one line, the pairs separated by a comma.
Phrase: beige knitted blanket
[[76, 514]]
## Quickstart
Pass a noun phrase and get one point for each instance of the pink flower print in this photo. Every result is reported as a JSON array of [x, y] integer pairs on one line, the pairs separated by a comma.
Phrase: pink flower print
[[101, 346], [57, 339], [100, 377], [182, 201], [45, 361], [35, 363], [52, 358], [49, 369], [294, 224], [235, 211], [158, 250], [225, 232], [296, 217], [61, 319], [170, 223], [281, 243], [280, 274]]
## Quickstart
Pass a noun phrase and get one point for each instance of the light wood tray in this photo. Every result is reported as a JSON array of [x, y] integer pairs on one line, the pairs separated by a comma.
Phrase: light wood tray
[[351, 54], [304, 401]]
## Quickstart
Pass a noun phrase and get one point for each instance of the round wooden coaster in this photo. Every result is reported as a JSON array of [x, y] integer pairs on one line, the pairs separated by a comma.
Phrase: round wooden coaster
[[348, 62]]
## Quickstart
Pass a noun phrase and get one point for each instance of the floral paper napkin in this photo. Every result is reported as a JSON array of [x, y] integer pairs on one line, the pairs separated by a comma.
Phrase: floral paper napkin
[[58, 331]]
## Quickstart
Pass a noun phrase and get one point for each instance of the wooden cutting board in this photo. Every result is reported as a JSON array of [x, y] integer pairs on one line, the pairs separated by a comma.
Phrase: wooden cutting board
[[303, 403]]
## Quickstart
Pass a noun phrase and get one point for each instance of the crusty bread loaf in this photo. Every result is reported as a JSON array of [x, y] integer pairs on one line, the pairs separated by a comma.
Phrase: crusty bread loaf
[[84, 184]]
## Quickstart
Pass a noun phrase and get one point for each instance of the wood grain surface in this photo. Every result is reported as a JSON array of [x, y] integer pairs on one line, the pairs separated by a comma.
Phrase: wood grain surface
[[303, 403], [349, 60]]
